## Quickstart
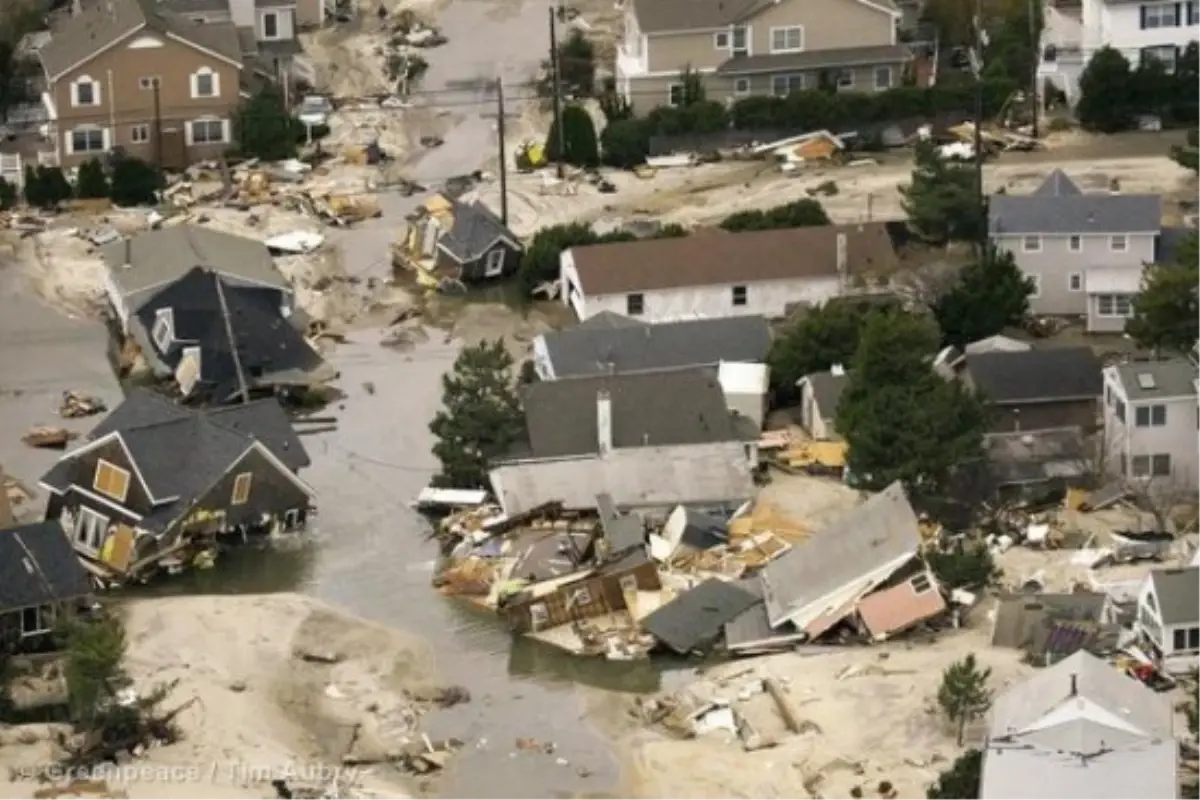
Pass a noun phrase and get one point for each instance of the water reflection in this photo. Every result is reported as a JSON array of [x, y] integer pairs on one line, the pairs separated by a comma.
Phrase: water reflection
[[266, 568]]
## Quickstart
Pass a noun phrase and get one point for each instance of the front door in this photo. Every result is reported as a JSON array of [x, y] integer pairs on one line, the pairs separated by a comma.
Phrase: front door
[[174, 149]]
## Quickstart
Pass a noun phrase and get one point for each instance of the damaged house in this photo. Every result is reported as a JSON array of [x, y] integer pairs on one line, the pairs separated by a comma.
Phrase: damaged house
[[864, 570], [41, 584], [460, 242], [1033, 390], [157, 482], [650, 440]]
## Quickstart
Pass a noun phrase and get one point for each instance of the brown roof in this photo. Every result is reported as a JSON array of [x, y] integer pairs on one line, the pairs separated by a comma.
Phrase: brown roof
[[718, 257], [658, 16]]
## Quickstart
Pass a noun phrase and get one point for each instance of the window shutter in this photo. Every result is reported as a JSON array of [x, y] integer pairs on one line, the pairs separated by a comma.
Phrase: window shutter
[[1178, 14], [1142, 19]]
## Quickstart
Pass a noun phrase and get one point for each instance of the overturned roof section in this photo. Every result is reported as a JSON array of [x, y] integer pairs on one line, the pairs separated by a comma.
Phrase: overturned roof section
[[710, 257], [698, 616], [622, 531], [843, 561], [612, 343], [1043, 375]]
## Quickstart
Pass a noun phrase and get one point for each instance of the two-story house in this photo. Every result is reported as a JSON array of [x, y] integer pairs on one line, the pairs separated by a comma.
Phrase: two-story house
[[1151, 423], [128, 74], [1084, 251], [757, 47], [1168, 616]]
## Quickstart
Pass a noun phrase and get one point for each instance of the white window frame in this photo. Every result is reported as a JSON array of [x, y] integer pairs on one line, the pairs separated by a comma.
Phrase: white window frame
[[727, 36], [96, 479], [146, 82], [1114, 301], [1075, 243], [1037, 286], [163, 331], [747, 40], [90, 529], [85, 80], [1167, 55], [733, 296], [1075, 282], [887, 84], [43, 620], [140, 133], [205, 72], [1162, 14], [1150, 422], [787, 80], [844, 79], [191, 130], [87, 130], [671, 101], [1154, 462], [274, 17], [243, 481], [923, 578], [741, 87], [1031, 244], [1122, 239], [785, 31], [493, 263]]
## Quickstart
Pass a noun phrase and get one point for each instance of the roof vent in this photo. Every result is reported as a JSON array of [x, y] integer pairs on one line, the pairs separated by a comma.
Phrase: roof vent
[[1146, 381]]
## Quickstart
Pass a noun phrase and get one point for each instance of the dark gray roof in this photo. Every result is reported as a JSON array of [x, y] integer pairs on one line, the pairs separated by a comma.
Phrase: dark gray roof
[[1058, 207], [827, 390], [698, 616], [1034, 457], [194, 6], [623, 532], [842, 57], [38, 565], [702, 531], [648, 409], [1146, 380], [619, 344], [79, 37], [1178, 593], [1040, 375], [475, 229]]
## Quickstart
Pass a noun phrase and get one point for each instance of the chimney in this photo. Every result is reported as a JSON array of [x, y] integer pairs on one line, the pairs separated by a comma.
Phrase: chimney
[[1074, 685], [604, 422]]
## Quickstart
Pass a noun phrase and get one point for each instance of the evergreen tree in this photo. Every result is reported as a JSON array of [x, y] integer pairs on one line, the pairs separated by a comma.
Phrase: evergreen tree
[[265, 129], [578, 139], [1106, 92], [91, 181], [991, 294], [942, 202], [1166, 312], [961, 780], [964, 695], [802, 213], [135, 182], [822, 337]]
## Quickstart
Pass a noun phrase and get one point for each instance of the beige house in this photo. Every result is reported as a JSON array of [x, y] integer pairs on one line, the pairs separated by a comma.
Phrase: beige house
[[757, 47]]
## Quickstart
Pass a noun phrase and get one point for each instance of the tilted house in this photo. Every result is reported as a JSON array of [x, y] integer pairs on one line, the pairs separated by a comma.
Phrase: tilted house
[[42, 584], [452, 240], [155, 478]]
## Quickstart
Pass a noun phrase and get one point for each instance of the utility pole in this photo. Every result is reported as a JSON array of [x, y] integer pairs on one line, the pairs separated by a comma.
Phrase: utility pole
[[977, 68], [158, 143], [503, 151], [1035, 45], [557, 87]]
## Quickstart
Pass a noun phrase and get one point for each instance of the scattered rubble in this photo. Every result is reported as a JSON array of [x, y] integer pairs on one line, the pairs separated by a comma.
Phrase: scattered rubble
[[48, 437], [77, 404]]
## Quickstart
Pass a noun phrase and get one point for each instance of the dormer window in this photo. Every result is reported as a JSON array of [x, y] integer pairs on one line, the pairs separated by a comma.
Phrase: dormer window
[[85, 92], [163, 332]]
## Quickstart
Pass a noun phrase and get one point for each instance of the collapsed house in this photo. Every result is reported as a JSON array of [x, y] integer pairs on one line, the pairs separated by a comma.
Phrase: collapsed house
[[156, 484], [1051, 627], [459, 242]]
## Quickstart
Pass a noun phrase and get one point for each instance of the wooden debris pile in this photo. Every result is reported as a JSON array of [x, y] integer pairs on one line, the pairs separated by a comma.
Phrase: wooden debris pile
[[77, 404]]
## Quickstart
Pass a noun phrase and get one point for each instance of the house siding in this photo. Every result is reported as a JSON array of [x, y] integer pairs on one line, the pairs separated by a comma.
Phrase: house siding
[[83, 474], [1177, 438], [124, 104], [473, 271], [1053, 265], [812, 416], [1042, 416], [605, 592], [272, 493], [1149, 622], [644, 477], [310, 13]]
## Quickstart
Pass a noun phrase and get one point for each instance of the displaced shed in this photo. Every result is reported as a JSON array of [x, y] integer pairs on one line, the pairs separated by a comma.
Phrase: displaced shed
[[697, 617]]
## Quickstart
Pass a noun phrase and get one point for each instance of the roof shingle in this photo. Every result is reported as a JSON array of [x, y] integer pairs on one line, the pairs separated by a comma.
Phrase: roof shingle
[[1174, 377], [1058, 207], [1039, 375], [38, 565]]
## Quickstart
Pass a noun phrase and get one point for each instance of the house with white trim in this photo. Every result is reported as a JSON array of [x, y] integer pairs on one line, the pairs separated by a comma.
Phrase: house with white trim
[[156, 481], [1151, 423], [1168, 617], [133, 75], [758, 47]]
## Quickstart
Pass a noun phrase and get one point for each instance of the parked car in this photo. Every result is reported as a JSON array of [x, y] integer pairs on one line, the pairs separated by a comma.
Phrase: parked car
[[315, 110]]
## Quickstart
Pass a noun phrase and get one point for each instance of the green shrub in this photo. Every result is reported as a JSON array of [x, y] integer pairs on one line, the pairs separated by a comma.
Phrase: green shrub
[[134, 183], [91, 181]]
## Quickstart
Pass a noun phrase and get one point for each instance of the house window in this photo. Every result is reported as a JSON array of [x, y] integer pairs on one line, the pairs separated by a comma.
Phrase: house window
[[90, 528], [783, 85], [537, 615], [292, 519], [163, 332], [207, 131], [1151, 416], [494, 263], [139, 134], [36, 620], [1076, 244], [635, 305], [787, 40], [883, 77], [1037, 286], [1114, 305], [270, 23], [1160, 465], [111, 481], [721, 40], [85, 92], [89, 139], [675, 94], [1120, 410], [581, 596], [147, 83], [739, 295], [1140, 466], [1118, 244], [1193, 639], [1075, 281], [920, 583], [205, 83], [845, 79], [1160, 15], [741, 40], [1165, 55], [1179, 640], [241, 489], [1193, 16], [1031, 244], [741, 87], [628, 583]]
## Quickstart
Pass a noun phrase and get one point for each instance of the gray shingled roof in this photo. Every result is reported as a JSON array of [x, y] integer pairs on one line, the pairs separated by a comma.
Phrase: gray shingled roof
[[1178, 593], [659, 16], [78, 38], [475, 229], [38, 565], [635, 346], [160, 256], [1174, 377], [1040, 375], [842, 57], [652, 408], [621, 531], [698, 616], [1058, 207]]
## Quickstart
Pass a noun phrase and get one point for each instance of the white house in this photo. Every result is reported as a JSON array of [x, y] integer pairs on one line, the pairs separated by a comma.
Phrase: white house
[[1168, 616], [651, 440], [714, 273], [1151, 423], [1137, 29]]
